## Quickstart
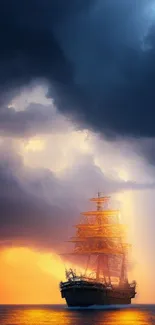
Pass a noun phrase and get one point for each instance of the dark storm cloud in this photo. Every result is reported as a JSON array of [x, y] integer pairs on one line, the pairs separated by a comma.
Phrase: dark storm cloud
[[36, 206], [98, 56]]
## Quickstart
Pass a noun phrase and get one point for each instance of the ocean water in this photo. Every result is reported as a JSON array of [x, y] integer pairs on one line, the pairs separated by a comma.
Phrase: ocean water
[[61, 315]]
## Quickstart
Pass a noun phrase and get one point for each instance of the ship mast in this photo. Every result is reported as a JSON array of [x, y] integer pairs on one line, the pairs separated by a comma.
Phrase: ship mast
[[101, 235], [99, 208]]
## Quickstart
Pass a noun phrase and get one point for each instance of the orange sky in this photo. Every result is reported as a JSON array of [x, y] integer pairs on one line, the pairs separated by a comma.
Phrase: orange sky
[[31, 277]]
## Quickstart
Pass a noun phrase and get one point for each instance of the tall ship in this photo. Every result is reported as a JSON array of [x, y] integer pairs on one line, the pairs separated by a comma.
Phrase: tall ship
[[100, 240]]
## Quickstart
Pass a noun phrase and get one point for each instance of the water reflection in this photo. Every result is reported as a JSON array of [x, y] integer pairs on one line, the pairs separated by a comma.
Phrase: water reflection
[[60, 315]]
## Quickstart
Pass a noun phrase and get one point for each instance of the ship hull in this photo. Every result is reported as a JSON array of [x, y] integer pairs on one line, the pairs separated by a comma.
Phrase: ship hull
[[83, 296]]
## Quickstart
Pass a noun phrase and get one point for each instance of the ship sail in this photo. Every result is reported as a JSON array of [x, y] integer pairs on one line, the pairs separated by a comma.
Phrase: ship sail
[[100, 239], [101, 235]]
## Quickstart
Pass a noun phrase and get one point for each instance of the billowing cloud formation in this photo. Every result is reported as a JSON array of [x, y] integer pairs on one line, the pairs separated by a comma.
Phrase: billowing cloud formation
[[36, 205], [47, 175], [28, 122], [98, 57]]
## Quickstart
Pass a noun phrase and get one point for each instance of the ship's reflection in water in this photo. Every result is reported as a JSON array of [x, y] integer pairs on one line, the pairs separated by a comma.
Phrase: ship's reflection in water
[[60, 315]]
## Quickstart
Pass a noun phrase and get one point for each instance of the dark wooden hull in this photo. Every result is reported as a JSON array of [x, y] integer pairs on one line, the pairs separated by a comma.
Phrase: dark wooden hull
[[84, 295]]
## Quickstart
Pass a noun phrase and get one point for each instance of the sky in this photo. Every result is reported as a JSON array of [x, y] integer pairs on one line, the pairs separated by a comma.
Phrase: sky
[[76, 116]]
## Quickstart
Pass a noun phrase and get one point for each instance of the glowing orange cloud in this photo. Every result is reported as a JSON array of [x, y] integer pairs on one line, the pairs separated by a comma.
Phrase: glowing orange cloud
[[29, 277], [32, 277]]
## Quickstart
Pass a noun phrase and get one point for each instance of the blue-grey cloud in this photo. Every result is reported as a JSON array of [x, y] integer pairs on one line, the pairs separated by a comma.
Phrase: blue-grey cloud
[[36, 206], [36, 118], [98, 57]]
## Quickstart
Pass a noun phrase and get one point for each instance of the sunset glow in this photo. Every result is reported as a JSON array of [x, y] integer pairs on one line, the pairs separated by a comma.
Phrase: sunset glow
[[28, 276], [34, 144]]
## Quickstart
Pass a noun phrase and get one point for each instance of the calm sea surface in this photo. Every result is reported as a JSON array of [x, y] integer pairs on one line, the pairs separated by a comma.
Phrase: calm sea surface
[[61, 315]]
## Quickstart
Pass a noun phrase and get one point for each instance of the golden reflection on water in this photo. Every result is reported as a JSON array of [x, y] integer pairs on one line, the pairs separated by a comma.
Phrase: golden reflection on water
[[130, 317], [59, 315]]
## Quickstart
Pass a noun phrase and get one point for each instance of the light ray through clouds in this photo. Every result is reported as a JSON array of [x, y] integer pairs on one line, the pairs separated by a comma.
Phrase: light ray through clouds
[[80, 161]]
